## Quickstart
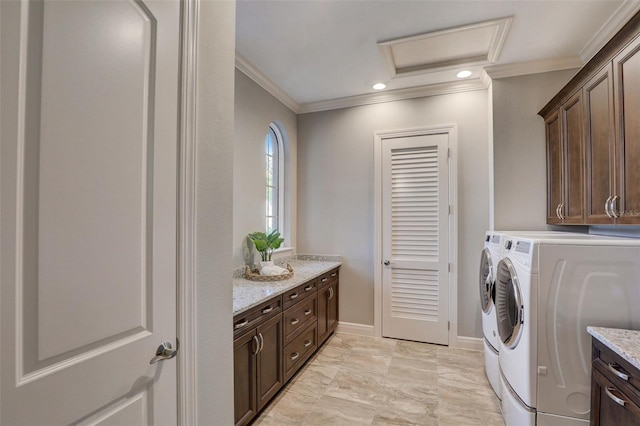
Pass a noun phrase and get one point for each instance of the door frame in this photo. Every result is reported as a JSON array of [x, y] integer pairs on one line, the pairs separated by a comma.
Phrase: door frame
[[378, 137], [186, 226]]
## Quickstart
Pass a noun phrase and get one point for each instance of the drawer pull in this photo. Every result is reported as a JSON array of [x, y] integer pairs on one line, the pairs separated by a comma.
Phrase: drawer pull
[[308, 288], [307, 343], [241, 324], [307, 312], [293, 296], [294, 321], [609, 391], [267, 310], [614, 369], [294, 356], [324, 280], [334, 274]]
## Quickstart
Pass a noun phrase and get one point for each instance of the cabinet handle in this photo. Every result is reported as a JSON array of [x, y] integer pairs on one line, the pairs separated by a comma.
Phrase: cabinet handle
[[609, 391], [261, 342], [606, 207], [241, 324], [294, 356], [324, 280], [308, 288], [294, 321], [293, 296], [307, 312], [334, 274], [613, 207], [267, 310], [558, 211], [330, 292], [614, 369], [562, 211], [257, 343], [307, 343]]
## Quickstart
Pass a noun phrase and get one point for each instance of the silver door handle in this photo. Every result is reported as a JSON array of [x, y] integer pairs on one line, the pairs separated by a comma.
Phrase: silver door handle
[[330, 292], [308, 288], [562, 211], [558, 212], [165, 352], [294, 321], [387, 262], [613, 206], [609, 391], [241, 324], [614, 369], [267, 310], [606, 207], [307, 312], [261, 342]]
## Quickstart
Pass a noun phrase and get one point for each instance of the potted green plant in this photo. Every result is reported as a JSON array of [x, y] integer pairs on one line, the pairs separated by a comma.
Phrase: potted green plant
[[266, 244]]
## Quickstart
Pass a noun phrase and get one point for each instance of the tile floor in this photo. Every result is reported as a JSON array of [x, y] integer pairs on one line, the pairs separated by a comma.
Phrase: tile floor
[[371, 381]]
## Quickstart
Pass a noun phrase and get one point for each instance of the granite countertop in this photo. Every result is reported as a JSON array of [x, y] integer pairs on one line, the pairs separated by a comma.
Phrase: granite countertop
[[247, 294], [625, 343]]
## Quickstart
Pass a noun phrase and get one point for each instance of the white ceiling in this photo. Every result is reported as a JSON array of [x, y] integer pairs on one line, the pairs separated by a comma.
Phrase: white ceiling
[[311, 53]]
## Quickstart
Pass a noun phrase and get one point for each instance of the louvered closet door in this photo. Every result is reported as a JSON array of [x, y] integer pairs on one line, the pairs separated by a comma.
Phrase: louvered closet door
[[415, 234]]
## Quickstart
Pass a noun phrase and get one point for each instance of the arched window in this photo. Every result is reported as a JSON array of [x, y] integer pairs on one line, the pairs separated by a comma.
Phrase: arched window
[[275, 179]]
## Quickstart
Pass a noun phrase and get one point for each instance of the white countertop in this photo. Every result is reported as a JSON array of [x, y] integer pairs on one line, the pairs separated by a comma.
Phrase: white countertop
[[625, 343], [247, 294]]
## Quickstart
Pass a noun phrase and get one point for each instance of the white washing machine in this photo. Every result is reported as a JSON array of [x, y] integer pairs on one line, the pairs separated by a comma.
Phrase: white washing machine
[[548, 290], [489, 259]]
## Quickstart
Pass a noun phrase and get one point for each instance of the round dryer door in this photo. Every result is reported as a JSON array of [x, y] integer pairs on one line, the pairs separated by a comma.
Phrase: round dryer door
[[486, 281], [509, 308]]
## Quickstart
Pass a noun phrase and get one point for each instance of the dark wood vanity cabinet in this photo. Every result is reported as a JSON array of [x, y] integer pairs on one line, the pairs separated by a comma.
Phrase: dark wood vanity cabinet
[[615, 389], [593, 138], [258, 363], [276, 338], [327, 305]]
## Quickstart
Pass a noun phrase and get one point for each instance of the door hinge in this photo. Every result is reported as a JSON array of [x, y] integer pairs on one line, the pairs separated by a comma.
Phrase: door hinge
[[448, 152], [449, 267], [449, 209], [449, 325]]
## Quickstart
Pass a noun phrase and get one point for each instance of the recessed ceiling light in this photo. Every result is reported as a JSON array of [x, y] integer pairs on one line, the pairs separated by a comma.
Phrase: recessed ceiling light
[[379, 86], [464, 74]]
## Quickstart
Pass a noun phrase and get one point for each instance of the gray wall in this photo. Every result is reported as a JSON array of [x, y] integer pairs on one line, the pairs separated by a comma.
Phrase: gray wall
[[255, 109], [519, 157], [213, 216], [335, 192]]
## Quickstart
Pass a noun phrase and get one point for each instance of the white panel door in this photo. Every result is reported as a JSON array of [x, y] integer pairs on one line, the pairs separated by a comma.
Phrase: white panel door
[[88, 222], [415, 235]]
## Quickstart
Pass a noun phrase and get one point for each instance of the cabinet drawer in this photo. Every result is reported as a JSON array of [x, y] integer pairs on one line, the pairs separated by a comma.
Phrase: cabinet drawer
[[297, 317], [614, 407], [298, 351], [328, 278], [618, 371], [251, 318], [297, 294]]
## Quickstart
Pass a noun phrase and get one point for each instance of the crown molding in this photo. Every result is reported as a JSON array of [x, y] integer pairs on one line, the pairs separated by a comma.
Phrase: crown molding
[[533, 67], [480, 83], [610, 28], [248, 69]]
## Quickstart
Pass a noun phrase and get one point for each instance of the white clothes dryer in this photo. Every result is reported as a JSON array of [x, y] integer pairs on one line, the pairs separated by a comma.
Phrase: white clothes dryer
[[489, 258], [549, 288]]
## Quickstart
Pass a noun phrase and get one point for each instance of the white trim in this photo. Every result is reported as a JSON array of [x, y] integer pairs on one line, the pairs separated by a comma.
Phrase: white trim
[[533, 67], [470, 343], [357, 329], [615, 22], [481, 83], [247, 68], [378, 137], [187, 297]]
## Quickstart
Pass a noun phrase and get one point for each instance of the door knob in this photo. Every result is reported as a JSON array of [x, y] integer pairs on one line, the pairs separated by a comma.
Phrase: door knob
[[165, 352], [387, 262]]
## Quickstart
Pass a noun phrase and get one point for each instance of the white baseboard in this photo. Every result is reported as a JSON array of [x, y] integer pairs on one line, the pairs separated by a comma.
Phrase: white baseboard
[[358, 329], [471, 343]]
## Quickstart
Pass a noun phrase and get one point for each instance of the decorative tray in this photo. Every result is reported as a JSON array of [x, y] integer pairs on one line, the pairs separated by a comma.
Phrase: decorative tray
[[255, 275]]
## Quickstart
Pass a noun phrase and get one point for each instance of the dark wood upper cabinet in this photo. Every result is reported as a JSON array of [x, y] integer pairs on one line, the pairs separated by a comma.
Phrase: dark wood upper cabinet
[[626, 79], [593, 138], [600, 146]]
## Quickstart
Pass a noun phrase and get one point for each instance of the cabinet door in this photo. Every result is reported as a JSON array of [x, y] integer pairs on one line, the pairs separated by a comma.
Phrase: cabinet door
[[609, 405], [572, 207], [332, 308], [627, 89], [554, 167], [323, 304], [244, 377], [600, 145], [270, 373]]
